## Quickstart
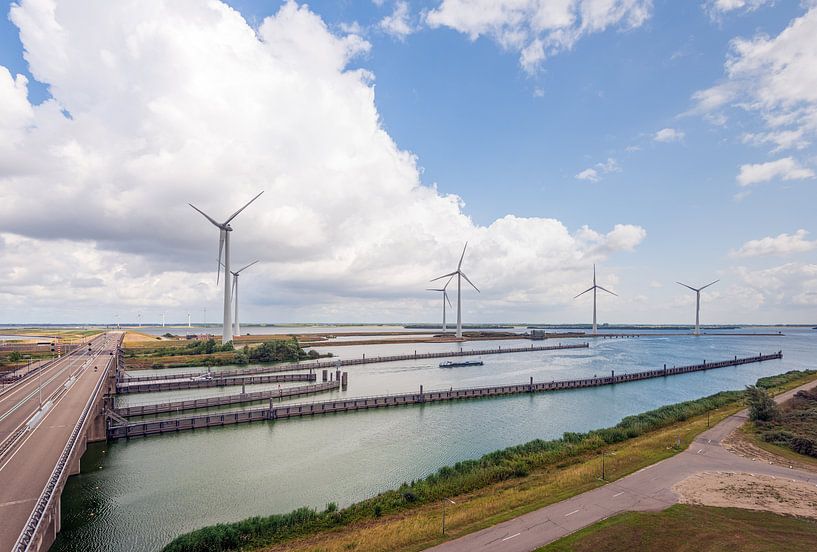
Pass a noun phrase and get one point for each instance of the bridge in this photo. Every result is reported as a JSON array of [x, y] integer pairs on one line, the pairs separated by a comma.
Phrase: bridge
[[46, 421]]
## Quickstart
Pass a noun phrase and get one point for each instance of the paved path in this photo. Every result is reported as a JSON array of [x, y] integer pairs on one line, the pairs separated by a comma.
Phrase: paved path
[[649, 489], [27, 464]]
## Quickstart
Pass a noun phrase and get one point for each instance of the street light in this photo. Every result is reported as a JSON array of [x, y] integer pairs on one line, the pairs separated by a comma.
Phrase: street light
[[452, 502], [603, 454]]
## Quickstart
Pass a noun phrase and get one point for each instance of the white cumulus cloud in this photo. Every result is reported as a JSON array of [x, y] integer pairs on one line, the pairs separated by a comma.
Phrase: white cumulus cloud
[[398, 24], [782, 244], [784, 169], [537, 28], [168, 103], [668, 135]]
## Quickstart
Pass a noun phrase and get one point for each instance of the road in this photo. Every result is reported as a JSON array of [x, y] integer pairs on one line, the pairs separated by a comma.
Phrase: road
[[29, 452], [649, 489]]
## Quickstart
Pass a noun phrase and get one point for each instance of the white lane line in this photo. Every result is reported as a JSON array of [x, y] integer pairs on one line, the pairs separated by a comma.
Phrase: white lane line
[[700, 451], [618, 494], [512, 536], [573, 512]]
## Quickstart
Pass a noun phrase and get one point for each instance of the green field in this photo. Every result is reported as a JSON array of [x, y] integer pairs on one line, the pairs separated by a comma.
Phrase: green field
[[693, 528]]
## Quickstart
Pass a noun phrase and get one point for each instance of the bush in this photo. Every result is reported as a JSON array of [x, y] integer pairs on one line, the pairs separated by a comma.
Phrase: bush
[[761, 405], [15, 356], [277, 351]]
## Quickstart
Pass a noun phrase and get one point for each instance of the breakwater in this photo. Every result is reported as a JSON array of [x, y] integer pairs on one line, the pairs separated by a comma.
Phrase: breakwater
[[201, 382], [213, 402], [352, 362], [139, 429]]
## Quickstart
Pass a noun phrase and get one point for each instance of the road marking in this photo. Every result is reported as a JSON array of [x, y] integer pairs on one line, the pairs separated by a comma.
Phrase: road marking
[[512, 536], [700, 451], [618, 494], [573, 512]]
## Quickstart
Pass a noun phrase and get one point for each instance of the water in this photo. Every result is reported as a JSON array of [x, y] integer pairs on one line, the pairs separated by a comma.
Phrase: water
[[138, 495]]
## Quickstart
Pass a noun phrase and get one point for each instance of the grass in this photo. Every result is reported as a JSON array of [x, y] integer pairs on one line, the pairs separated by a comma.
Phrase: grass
[[499, 486], [792, 431], [694, 529]]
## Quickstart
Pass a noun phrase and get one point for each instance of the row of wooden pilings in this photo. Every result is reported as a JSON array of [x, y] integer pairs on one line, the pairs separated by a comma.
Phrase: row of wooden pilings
[[363, 403]]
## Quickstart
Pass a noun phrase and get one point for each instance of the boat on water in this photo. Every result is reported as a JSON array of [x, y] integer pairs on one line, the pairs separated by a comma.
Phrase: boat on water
[[458, 363]]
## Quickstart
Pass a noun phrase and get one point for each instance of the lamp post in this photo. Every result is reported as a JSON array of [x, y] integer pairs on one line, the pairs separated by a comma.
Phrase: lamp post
[[452, 502], [603, 454]]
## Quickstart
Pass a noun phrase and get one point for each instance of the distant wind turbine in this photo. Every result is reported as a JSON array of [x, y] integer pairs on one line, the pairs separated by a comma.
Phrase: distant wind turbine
[[593, 288], [237, 329], [445, 298], [698, 304], [459, 274], [224, 245]]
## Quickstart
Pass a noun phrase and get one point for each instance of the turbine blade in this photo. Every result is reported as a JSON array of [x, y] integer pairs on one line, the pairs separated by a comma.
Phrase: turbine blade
[[429, 289], [244, 268], [245, 206], [208, 217], [688, 287], [220, 250], [711, 283], [445, 294], [462, 256], [585, 291], [452, 274], [607, 290], [470, 282], [232, 292], [448, 282]]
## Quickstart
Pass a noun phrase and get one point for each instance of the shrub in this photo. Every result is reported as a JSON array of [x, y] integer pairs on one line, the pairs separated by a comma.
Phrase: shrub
[[761, 405]]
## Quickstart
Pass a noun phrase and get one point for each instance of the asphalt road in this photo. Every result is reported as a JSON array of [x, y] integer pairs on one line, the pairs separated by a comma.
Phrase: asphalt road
[[646, 490], [27, 464]]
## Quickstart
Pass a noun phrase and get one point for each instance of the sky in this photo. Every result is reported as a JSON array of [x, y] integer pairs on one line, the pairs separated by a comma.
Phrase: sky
[[662, 141]]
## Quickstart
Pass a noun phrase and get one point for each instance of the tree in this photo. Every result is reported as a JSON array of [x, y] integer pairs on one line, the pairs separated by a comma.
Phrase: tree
[[762, 407], [277, 351], [15, 357]]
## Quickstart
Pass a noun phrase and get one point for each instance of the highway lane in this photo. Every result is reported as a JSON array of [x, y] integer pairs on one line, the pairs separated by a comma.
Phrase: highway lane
[[27, 466], [19, 404], [649, 489]]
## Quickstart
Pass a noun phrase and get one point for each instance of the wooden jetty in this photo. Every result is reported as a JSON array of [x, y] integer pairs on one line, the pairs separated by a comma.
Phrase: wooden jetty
[[139, 429], [353, 361], [215, 381], [212, 402]]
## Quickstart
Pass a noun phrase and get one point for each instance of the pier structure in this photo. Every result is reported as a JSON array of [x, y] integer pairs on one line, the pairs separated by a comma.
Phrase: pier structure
[[130, 379], [145, 428]]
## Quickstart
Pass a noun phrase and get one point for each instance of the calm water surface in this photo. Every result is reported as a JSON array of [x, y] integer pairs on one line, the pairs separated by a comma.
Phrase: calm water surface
[[138, 495]]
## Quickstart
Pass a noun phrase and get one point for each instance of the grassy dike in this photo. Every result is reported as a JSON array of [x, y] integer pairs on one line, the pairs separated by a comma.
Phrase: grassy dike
[[498, 486]]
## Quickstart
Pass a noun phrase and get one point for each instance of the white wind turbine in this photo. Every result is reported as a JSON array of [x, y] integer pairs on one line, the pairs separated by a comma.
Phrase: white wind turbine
[[697, 291], [445, 298], [237, 328], [459, 274], [224, 245], [593, 288]]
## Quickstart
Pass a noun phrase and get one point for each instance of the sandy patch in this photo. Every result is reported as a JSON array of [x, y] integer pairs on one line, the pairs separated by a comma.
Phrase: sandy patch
[[742, 490], [134, 337]]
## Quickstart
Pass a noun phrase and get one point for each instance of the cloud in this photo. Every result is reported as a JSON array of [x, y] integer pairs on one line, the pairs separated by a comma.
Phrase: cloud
[[537, 29], [772, 78], [782, 244], [669, 135], [784, 169], [588, 174], [185, 102], [720, 7], [398, 24], [594, 174], [791, 285]]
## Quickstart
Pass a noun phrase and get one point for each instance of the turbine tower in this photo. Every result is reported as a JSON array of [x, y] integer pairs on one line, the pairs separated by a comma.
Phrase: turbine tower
[[224, 230], [445, 298], [237, 328], [697, 291], [460, 275], [188, 319], [593, 288]]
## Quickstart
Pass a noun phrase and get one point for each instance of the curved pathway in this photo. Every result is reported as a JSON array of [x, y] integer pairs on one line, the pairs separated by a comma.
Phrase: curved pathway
[[649, 489]]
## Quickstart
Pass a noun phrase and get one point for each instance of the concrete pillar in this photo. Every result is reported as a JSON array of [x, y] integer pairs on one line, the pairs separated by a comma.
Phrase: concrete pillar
[[421, 392], [345, 380], [613, 375], [324, 375], [337, 375], [531, 384]]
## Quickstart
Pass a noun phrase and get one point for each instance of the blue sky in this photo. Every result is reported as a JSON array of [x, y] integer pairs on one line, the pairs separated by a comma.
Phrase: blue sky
[[510, 140]]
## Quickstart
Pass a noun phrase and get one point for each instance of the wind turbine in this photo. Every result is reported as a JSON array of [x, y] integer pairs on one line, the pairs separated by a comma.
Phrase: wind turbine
[[445, 298], [460, 275], [224, 230], [593, 288], [237, 328], [188, 319], [698, 304]]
